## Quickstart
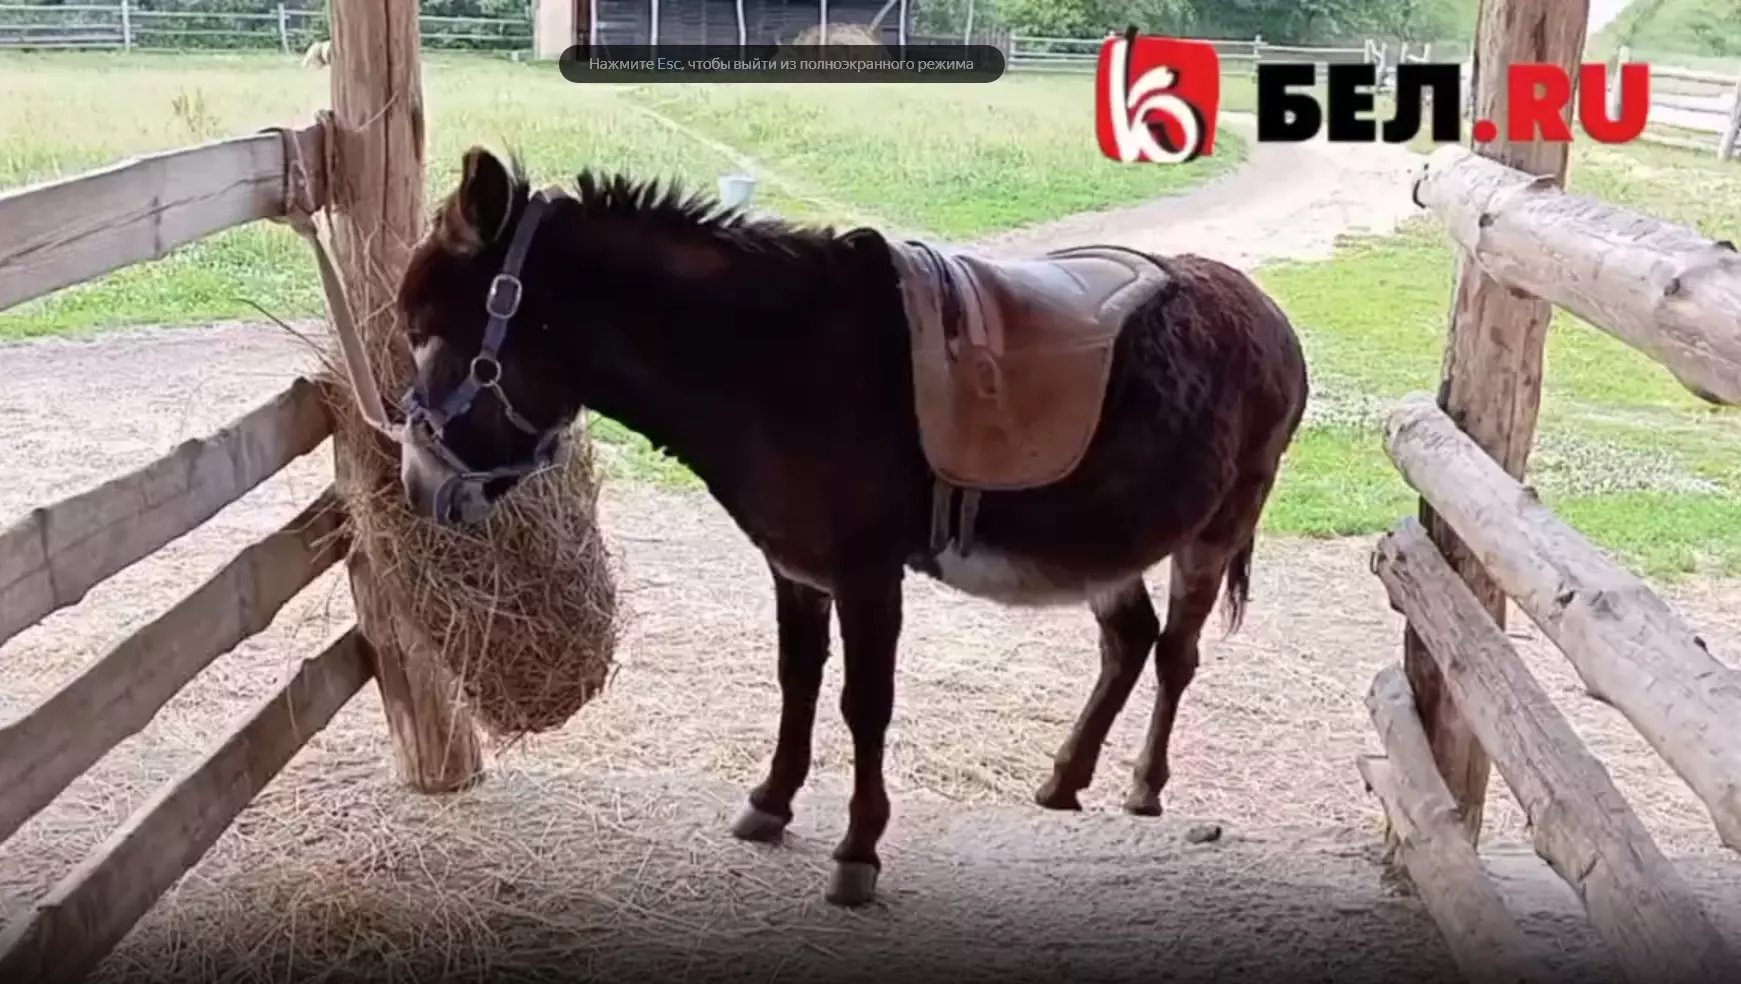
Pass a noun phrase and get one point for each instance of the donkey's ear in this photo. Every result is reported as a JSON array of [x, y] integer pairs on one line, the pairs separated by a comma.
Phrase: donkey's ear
[[478, 212]]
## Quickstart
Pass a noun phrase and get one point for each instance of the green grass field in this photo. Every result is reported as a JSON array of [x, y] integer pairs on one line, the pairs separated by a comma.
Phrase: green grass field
[[952, 161], [1625, 454]]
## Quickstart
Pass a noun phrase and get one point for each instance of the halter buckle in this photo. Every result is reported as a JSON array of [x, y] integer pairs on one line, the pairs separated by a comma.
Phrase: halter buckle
[[504, 299]]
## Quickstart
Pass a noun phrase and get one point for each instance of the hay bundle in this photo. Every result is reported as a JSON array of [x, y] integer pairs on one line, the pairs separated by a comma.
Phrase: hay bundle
[[523, 610], [838, 34]]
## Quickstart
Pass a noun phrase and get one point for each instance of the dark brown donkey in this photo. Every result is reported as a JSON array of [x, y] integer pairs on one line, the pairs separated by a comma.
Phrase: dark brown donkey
[[1038, 432]]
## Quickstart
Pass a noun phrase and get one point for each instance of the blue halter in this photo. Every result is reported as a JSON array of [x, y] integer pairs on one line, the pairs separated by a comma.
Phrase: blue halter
[[502, 303]]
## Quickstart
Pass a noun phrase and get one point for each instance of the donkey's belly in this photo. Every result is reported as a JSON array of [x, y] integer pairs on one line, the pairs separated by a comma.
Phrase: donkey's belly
[[1012, 579]]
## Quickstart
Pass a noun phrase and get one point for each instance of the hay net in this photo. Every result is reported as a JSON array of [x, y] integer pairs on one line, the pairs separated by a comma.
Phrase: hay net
[[521, 611]]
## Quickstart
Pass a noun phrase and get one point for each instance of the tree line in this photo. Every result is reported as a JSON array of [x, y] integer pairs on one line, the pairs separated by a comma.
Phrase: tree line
[[1279, 21]]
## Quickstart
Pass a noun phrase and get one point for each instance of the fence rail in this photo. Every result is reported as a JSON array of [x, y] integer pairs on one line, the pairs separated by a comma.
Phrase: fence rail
[[1698, 110], [1675, 295], [64, 232], [1053, 54], [126, 26]]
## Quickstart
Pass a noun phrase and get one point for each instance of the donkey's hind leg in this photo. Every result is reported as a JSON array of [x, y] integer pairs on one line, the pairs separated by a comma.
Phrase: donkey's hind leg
[[1128, 628], [1198, 572], [802, 613]]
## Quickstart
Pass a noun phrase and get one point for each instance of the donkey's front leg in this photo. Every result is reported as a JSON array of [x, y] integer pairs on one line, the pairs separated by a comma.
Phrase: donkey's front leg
[[870, 625], [802, 612]]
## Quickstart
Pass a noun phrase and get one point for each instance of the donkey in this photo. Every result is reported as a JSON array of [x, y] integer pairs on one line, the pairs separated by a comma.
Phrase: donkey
[[776, 363]]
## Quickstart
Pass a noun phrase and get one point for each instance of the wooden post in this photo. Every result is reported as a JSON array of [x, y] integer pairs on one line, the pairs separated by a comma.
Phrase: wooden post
[[283, 30], [126, 25], [376, 194], [552, 28], [1726, 146], [1621, 57], [1491, 382]]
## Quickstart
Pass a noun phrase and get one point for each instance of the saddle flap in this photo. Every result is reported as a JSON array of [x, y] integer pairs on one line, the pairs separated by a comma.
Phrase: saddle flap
[[1011, 357]]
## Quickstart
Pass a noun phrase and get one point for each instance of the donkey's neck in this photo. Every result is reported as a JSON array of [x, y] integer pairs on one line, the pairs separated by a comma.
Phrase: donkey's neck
[[708, 370]]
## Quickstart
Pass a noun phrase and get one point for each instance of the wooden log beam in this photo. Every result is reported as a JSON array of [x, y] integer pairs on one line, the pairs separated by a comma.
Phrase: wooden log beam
[[52, 557], [1484, 939], [1731, 125], [45, 749], [1664, 289], [59, 233], [1583, 827], [376, 209], [1491, 383], [1631, 650], [93, 907]]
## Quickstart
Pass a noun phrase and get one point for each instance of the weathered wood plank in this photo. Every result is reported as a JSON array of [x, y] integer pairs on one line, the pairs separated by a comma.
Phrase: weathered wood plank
[[1732, 125], [377, 215], [1491, 383], [59, 233], [52, 557], [47, 748], [1583, 827], [1631, 650], [94, 906], [1665, 289], [1484, 939]]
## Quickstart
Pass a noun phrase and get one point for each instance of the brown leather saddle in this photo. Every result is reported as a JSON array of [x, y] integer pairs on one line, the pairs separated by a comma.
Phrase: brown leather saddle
[[1010, 363]]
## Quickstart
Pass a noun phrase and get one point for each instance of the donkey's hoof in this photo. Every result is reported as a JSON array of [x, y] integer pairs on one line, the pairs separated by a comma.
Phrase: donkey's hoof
[[1053, 798], [854, 883], [1143, 803], [759, 825]]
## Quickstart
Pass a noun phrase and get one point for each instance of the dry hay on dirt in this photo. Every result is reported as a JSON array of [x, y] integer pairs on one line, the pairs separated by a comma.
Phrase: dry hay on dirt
[[839, 34], [521, 610]]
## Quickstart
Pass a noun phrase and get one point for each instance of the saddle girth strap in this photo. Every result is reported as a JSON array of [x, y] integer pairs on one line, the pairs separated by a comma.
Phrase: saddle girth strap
[[952, 520]]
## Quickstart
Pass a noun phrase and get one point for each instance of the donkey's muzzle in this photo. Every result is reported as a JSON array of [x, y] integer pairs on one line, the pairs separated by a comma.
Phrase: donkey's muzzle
[[437, 491]]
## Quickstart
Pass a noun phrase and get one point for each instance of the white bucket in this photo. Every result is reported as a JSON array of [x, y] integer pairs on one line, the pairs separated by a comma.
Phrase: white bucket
[[736, 190]]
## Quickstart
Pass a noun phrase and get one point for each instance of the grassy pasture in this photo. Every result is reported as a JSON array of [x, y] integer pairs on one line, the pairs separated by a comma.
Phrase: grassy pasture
[[1635, 462], [952, 161], [1625, 454]]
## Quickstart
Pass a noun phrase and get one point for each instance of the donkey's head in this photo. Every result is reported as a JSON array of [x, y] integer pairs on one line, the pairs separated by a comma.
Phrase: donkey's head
[[669, 313], [487, 406]]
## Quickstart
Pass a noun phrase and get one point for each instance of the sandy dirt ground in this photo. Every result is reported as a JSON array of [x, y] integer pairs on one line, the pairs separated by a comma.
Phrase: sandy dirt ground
[[599, 851]]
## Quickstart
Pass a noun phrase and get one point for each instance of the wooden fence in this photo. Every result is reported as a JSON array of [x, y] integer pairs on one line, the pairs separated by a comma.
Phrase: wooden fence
[[61, 233], [1689, 108], [127, 26], [1463, 697], [1238, 57]]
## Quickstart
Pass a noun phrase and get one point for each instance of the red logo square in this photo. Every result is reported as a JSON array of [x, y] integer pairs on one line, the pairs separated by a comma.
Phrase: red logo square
[[1156, 98]]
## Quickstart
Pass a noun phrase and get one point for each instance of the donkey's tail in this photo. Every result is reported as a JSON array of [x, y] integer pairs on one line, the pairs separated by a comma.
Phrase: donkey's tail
[[1238, 584]]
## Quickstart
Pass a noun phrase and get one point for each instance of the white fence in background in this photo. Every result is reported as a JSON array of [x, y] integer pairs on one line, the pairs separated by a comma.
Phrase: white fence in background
[[1237, 56], [1692, 109], [1689, 108], [125, 26]]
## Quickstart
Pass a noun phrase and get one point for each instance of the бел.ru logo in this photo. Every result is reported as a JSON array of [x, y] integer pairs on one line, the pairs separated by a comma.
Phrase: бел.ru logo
[[1155, 99], [1536, 98]]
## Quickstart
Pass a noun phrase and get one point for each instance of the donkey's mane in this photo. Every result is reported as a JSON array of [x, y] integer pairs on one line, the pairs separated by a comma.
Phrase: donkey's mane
[[667, 206]]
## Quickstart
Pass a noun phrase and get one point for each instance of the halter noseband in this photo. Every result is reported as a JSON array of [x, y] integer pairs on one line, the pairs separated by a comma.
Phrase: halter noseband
[[503, 302]]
